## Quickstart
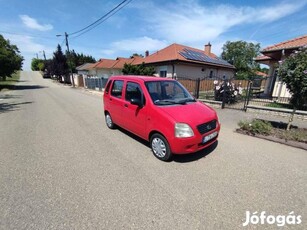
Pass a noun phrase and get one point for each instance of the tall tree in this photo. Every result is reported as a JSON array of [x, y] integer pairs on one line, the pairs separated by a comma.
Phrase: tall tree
[[59, 66], [241, 54], [293, 72], [10, 58], [76, 59]]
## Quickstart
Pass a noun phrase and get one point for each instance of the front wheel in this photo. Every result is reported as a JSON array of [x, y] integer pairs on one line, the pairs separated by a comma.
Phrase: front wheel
[[160, 147], [109, 121]]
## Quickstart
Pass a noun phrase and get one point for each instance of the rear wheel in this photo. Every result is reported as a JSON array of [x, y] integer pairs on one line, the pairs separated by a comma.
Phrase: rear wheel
[[109, 121], [160, 147]]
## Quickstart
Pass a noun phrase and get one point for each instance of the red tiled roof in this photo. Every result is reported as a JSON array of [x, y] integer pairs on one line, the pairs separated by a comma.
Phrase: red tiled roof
[[171, 53], [85, 66], [118, 63], [121, 61], [293, 43], [262, 58], [104, 64], [261, 74]]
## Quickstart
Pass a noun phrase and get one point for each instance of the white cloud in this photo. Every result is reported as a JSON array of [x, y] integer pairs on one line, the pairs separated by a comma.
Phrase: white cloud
[[25, 43], [108, 52], [138, 45], [190, 21], [33, 24], [29, 48]]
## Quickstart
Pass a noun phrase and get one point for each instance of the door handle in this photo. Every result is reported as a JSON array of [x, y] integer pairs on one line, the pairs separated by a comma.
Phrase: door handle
[[126, 105]]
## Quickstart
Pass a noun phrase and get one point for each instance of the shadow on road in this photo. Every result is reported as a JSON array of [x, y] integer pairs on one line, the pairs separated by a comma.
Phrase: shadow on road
[[21, 87], [185, 158], [8, 107], [28, 87]]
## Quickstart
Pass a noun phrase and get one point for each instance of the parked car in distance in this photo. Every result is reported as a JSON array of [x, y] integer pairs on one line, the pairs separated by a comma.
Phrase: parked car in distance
[[46, 75], [161, 111]]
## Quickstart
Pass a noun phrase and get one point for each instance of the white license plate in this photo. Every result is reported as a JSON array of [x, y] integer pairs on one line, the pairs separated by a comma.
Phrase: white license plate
[[209, 137]]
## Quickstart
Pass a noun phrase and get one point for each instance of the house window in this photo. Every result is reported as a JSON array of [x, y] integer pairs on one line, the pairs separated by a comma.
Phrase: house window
[[211, 74], [163, 73]]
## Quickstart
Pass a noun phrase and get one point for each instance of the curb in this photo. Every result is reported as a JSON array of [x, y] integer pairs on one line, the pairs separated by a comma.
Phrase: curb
[[295, 144]]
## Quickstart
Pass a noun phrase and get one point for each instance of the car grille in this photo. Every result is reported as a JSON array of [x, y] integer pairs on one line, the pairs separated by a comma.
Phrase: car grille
[[206, 127]]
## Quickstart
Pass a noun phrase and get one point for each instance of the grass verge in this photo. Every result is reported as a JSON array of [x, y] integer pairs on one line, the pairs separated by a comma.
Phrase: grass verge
[[10, 82], [273, 129]]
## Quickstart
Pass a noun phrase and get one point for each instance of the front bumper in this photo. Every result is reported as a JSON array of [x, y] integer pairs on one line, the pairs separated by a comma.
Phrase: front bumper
[[192, 144]]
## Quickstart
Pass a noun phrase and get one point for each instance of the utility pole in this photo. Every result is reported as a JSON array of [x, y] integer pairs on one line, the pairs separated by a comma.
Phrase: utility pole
[[44, 55], [69, 59]]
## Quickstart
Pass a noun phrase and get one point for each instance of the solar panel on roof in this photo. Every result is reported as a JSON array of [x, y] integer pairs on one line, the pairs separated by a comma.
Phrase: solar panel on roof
[[199, 56]]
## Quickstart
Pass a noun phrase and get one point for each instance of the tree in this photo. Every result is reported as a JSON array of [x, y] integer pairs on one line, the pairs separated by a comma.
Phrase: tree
[[76, 59], [10, 58], [136, 55], [138, 70], [241, 54], [293, 72], [59, 66], [37, 64]]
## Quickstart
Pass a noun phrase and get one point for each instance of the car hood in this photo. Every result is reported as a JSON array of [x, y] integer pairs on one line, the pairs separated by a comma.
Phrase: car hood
[[190, 113]]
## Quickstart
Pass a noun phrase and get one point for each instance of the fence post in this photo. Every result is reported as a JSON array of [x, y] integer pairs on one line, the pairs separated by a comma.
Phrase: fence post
[[85, 82], [224, 94], [197, 88], [247, 97]]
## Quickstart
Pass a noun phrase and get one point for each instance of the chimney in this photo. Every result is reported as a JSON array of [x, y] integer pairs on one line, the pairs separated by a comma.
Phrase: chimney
[[146, 53], [208, 49]]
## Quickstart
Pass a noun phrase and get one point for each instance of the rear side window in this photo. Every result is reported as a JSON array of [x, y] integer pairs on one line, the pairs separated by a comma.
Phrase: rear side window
[[117, 88]]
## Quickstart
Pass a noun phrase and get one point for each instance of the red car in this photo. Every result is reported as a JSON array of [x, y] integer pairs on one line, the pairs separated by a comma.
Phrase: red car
[[161, 111]]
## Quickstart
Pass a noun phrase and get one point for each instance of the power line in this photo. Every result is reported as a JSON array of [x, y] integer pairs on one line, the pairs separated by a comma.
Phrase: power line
[[30, 35], [103, 18], [110, 15]]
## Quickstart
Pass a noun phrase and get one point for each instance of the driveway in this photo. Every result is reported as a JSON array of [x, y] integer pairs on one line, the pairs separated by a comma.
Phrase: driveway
[[62, 168]]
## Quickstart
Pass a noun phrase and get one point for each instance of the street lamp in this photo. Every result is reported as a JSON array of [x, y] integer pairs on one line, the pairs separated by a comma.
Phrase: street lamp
[[70, 65]]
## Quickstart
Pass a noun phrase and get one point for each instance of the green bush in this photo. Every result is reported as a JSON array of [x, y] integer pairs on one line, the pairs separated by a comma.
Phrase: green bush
[[256, 127]]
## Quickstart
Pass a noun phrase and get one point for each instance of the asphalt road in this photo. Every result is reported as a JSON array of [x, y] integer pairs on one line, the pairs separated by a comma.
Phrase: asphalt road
[[62, 168]]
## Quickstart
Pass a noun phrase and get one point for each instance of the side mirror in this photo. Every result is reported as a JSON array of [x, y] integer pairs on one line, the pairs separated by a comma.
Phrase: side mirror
[[136, 101]]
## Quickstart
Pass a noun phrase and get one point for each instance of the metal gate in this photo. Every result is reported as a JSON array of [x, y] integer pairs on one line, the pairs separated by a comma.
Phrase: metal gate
[[234, 94]]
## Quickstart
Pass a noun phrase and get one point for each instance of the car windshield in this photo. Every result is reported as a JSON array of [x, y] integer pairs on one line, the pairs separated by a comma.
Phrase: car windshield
[[168, 93]]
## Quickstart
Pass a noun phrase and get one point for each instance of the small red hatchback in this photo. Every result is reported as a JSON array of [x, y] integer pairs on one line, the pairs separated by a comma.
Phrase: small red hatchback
[[161, 111]]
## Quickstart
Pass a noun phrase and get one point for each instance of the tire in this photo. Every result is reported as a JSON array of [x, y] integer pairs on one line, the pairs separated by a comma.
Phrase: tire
[[109, 121], [160, 147]]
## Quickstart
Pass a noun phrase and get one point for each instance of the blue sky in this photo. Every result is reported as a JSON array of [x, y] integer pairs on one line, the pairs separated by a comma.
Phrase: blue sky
[[147, 24]]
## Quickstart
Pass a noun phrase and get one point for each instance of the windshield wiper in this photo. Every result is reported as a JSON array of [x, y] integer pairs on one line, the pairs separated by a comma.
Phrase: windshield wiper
[[172, 102], [164, 102]]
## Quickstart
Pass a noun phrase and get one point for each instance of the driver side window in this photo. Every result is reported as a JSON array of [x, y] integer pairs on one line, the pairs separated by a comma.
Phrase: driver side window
[[134, 91]]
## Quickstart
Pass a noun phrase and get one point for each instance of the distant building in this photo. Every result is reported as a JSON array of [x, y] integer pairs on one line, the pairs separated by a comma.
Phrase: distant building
[[109, 67], [272, 56], [83, 69], [183, 61]]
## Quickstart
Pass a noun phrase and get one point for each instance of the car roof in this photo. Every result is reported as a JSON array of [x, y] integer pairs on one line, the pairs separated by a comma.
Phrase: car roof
[[139, 77]]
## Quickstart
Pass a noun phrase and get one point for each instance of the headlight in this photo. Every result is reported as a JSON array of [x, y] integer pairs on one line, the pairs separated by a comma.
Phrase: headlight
[[183, 130]]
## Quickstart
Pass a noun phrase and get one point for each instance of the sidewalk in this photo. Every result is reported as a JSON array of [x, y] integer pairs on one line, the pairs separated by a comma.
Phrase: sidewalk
[[231, 117]]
